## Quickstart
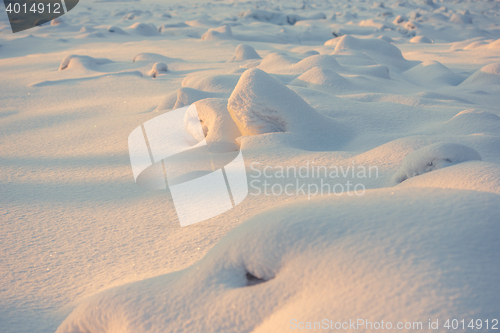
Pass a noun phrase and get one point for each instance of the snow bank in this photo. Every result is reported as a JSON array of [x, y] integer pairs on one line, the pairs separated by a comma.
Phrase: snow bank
[[331, 257], [244, 52], [433, 157]]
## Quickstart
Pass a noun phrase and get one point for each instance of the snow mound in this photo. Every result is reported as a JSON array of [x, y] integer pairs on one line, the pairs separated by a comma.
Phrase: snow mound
[[158, 68], [471, 122], [272, 17], [223, 32], [432, 74], [321, 61], [89, 32], [277, 61], [142, 29], [153, 57], [461, 19], [354, 58], [219, 129], [57, 21], [379, 71], [486, 76], [377, 49], [494, 44], [212, 83], [184, 97], [433, 157], [244, 52], [322, 79], [82, 62], [116, 30], [420, 40], [296, 260], [260, 104], [332, 42], [472, 175], [371, 45]]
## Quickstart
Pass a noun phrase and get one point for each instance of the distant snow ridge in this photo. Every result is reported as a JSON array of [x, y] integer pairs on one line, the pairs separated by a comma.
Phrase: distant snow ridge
[[82, 62], [223, 32], [433, 157], [261, 104], [244, 52]]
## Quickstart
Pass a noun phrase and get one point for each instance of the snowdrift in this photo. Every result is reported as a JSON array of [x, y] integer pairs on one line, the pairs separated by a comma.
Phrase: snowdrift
[[341, 255]]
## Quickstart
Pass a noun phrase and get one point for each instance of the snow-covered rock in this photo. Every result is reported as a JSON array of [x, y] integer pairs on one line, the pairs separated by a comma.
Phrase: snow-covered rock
[[433, 157]]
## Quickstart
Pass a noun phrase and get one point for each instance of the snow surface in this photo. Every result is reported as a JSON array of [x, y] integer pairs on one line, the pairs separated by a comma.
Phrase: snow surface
[[346, 85]]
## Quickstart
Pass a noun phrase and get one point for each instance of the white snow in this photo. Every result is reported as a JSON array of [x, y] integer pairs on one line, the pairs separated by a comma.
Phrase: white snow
[[244, 52], [346, 261], [399, 99]]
